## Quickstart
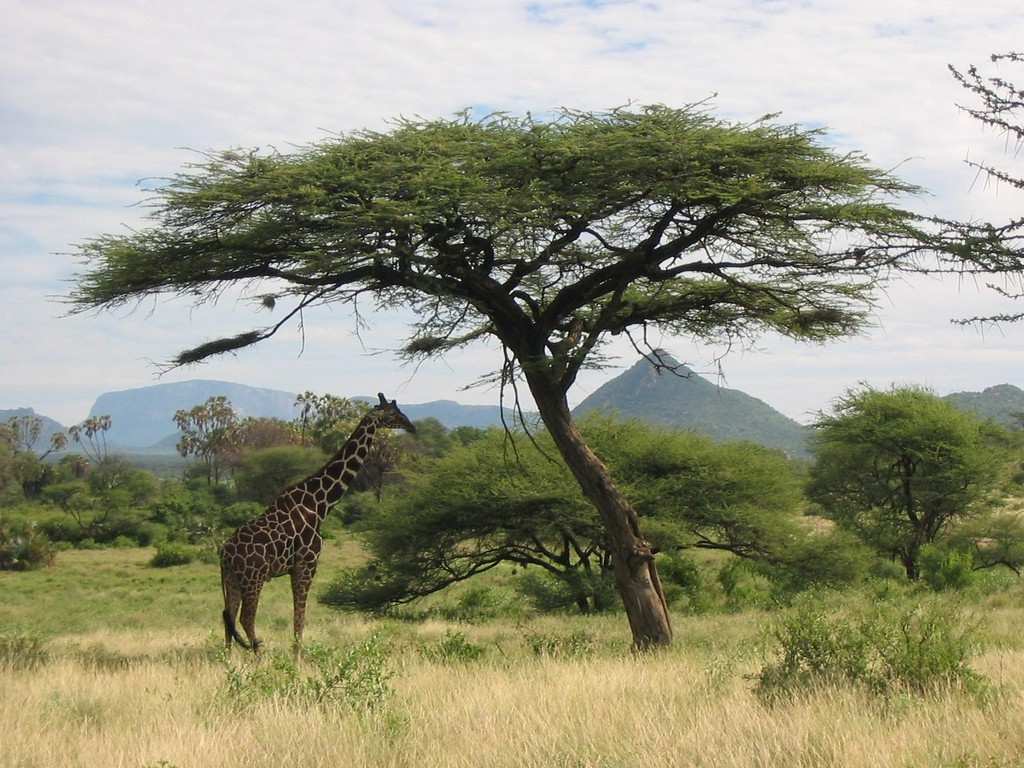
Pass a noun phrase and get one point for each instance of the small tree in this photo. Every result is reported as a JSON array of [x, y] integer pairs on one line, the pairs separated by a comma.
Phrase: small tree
[[898, 466], [210, 432], [474, 509], [91, 435], [547, 236]]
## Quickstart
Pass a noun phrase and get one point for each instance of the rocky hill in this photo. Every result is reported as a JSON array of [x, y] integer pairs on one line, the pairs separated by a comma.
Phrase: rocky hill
[[1003, 404], [692, 402]]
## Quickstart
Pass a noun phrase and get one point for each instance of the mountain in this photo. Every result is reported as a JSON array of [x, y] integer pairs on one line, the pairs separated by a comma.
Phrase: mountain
[[144, 416], [49, 426], [998, 403], [692, 402]]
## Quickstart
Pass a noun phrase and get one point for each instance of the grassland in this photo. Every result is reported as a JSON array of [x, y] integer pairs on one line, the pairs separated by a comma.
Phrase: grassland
[[131, 675]]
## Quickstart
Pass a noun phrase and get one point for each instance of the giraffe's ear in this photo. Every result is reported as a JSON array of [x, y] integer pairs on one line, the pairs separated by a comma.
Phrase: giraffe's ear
[[383, 400]]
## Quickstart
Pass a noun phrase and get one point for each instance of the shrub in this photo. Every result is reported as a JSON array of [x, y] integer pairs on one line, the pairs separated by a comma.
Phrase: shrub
[[20, 651], [684, 583], [123, 542], [890, 649], [577, 644], [357, 677], [476, 603], [168, 555], [550, 594], [23, 547], [946, 569], [744, 587], [454, 648]]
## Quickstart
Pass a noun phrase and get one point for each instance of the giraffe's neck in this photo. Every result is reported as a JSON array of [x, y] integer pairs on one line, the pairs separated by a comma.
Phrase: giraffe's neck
[[337, 475]]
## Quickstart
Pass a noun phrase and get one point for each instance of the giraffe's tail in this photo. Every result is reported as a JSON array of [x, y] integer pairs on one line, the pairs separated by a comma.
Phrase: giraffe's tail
[[230, 630]]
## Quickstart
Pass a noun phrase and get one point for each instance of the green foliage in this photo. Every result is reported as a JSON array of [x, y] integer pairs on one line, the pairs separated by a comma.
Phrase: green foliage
[[686, 588], [745, 586], [263, 474], [474, 604], [327, 420], [480, 505], [357, 677], [22, 651], [898, 467], [944, 569], [454, 648], [888, 649], [24, 547], [168, 555], [575, 591]]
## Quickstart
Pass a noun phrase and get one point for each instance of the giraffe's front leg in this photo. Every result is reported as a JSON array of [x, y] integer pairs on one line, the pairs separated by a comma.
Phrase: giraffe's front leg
[[302, 577]]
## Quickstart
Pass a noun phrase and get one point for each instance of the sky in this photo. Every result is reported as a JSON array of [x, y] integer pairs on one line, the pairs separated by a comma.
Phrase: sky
[[96, 96]]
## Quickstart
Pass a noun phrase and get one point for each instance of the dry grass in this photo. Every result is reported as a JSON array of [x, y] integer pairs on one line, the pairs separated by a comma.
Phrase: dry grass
[[120, 694], [680, 709]]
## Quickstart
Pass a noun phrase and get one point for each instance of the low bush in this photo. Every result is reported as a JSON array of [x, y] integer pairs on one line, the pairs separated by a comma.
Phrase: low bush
[[577, 644], [21, 651], [24, 547], [357, 677], [476, 603], [947, 569], [888, 649], [454, 648], [168, 555]]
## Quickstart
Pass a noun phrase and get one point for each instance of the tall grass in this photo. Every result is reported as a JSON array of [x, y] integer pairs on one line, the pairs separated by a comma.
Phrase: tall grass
[[561, 691]]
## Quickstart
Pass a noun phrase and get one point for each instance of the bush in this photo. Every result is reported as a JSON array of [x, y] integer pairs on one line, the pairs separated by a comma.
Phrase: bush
[[454, 648], [23, 547], [123, 542], [19, 651], [946, 569], [684, 584], [550, 594], [577, 644], [168, 555], [476, 603], [357, 677], [744, 587], [890, 649]]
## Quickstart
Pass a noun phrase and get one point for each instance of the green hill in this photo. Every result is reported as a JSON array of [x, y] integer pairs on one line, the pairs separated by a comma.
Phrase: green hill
[[692, 402], [1003, 404]]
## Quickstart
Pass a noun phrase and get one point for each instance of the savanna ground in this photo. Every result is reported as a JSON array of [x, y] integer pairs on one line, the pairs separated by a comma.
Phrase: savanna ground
[[109, 662]]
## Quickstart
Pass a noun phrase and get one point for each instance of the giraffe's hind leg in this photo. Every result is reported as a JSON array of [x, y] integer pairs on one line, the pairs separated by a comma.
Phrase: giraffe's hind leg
[[232, 601], [250, 602]]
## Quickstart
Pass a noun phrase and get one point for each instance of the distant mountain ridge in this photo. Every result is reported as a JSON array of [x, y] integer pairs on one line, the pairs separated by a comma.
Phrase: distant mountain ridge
[[690, 401], [1000, 403], [142, 418]]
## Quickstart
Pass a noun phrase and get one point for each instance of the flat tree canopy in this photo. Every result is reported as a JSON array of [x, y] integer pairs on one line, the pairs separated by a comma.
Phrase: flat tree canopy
[[550, 235]]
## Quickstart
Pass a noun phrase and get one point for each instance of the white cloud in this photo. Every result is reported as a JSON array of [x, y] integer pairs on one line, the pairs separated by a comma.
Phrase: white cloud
[[96, 95]]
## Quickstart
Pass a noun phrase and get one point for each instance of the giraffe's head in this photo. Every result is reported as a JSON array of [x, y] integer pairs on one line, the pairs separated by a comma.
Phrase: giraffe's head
[[388, 415]]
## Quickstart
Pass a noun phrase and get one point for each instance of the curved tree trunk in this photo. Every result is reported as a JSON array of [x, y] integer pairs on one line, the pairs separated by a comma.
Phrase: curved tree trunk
[[635, 573]]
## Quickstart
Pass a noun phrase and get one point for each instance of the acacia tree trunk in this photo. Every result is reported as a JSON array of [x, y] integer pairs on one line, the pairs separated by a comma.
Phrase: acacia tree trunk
[[635, 573]]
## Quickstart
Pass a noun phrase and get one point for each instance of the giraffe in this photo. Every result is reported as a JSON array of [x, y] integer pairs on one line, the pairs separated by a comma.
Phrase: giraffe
[[286, 538]]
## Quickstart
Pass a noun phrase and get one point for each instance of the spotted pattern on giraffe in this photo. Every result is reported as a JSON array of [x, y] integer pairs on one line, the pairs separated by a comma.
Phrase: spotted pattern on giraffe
[[286, 538]]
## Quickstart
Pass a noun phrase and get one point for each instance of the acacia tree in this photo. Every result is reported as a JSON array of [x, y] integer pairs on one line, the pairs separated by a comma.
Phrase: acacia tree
[[899, 467], [993, 249], [549, 236]]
